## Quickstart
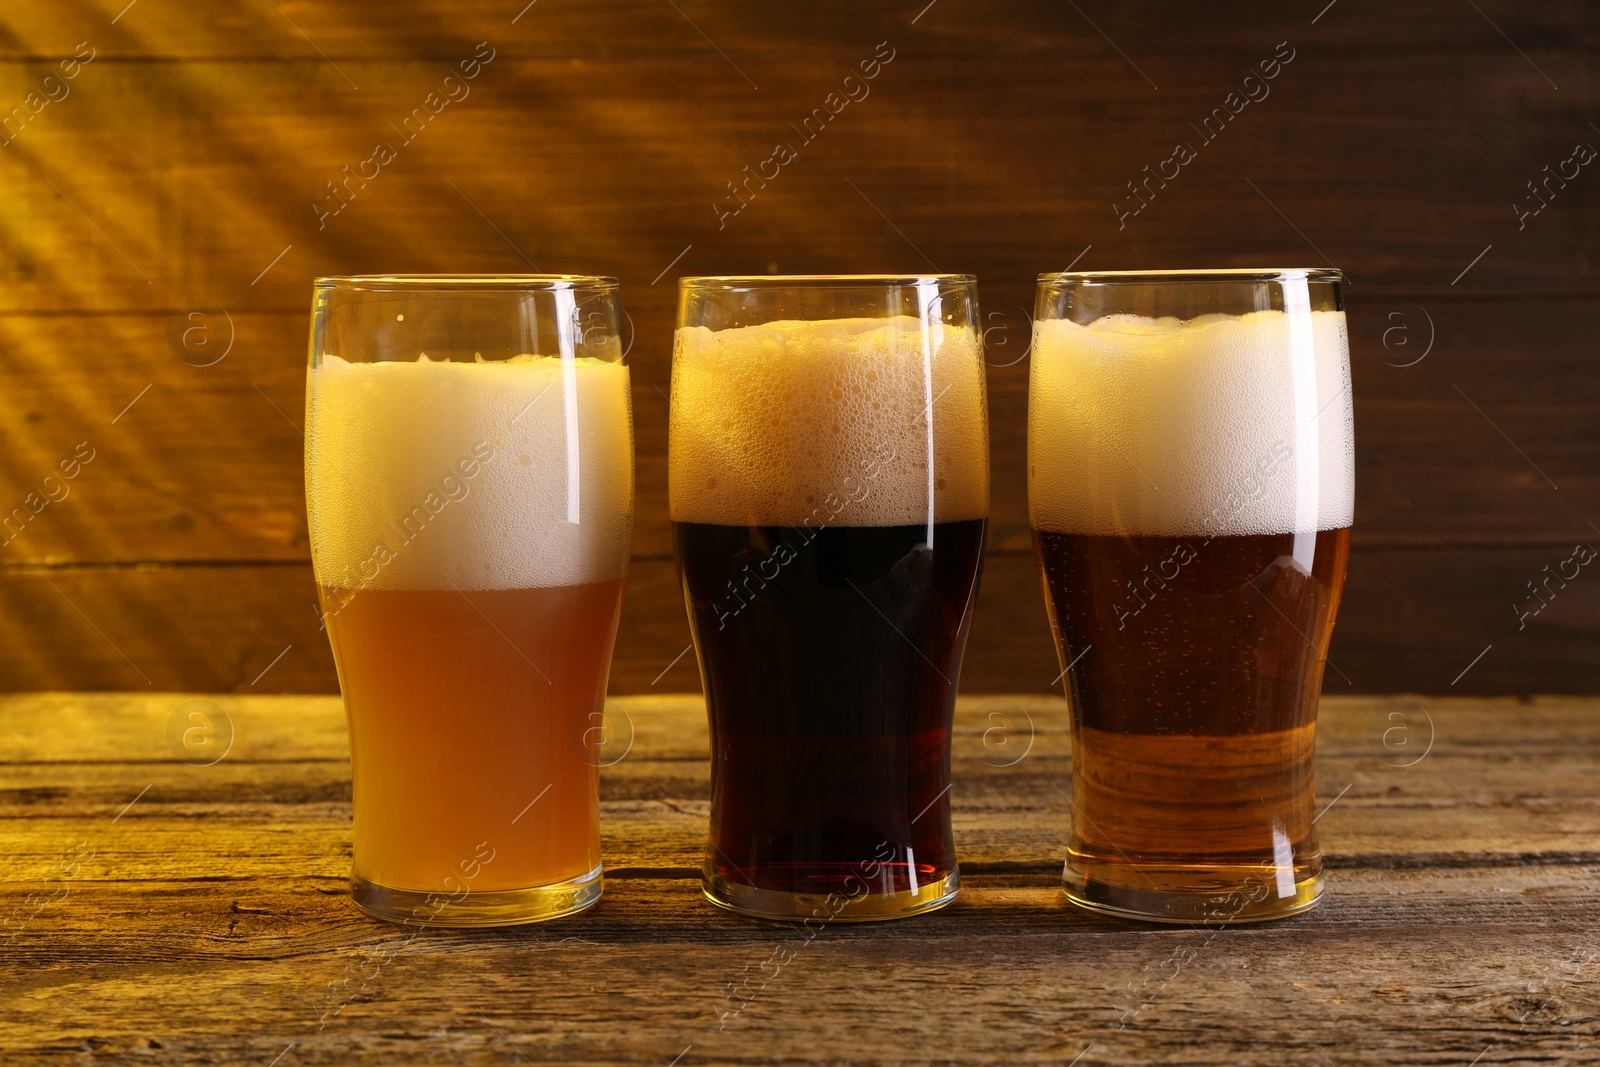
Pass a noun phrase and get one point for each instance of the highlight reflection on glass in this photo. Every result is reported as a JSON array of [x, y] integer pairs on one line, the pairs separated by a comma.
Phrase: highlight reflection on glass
[[1191, 489], [469, 487], [829, 490]]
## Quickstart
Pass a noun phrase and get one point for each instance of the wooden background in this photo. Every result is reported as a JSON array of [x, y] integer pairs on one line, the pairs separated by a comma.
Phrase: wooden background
[[180, 170]]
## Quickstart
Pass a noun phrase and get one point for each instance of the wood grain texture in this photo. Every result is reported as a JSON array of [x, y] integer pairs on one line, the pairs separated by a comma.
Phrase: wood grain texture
[[1003, 166], [1411, 620], [206, 466], [211, 923], [177, 175], [564, 29]]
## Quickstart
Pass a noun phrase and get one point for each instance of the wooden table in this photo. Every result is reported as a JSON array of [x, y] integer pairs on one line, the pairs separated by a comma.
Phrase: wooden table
[[198, 914]]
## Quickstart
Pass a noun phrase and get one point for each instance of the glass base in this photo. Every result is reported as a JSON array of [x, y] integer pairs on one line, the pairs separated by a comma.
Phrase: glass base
[[509, 907], [1231, 896], [779, 906]]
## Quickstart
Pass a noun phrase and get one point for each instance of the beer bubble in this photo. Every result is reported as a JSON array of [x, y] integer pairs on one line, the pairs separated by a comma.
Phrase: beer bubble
[[1008, 734], [406, 425], [199, 733], [767, 418], [1129, 409], [200, 335], [1400, 732]]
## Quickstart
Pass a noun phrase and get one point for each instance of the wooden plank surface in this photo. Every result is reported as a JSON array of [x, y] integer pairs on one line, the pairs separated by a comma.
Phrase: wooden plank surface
[[600, 28], [176, 177], [199, 174], [1453, 520], [207, 465], [1412, 618], [211, 923]]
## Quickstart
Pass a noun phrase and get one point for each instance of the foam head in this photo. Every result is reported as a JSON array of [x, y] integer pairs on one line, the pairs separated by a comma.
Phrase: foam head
[[1216, 425], [510, 474], [840, 422]]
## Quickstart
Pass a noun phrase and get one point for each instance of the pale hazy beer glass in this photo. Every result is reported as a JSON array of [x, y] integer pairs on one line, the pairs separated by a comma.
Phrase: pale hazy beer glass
[[828, 478], [1191, 488], [469, 489]]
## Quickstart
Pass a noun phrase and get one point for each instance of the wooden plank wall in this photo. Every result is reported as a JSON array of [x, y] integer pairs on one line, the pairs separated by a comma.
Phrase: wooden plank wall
[[169, 184]]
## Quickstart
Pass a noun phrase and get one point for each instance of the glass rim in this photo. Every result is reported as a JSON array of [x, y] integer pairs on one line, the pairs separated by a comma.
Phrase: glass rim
[[744, 282], [511, 283], [1178, 277]]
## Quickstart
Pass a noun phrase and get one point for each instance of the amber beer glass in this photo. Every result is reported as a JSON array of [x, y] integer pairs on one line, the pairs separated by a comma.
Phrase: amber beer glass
[[1190, 486], [469, 488], [829, 487]]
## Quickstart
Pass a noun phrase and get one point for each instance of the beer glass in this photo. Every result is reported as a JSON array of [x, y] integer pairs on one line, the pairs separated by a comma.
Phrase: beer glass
[[1190, 487], [829, 488], [469, 490]]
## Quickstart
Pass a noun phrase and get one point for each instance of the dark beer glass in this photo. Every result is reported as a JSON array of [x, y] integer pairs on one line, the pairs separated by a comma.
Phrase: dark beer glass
[[829, 490], [1191, 487]]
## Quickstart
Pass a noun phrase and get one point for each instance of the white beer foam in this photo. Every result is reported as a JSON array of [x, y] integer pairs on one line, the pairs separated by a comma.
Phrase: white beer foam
[[512, 474], [831, 422], [1216, 425]]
